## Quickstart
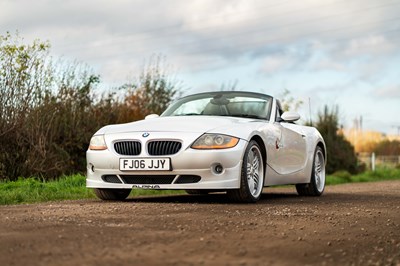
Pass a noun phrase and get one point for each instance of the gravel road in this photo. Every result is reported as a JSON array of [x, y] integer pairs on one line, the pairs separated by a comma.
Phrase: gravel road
[[352, 224]]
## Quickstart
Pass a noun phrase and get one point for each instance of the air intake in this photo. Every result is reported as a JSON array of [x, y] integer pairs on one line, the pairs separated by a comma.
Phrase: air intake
[[148, 179], [111, 179], [187, 179]]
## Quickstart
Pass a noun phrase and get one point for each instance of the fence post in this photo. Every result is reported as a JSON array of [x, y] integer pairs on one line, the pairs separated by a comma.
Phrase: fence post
[[373, 161]]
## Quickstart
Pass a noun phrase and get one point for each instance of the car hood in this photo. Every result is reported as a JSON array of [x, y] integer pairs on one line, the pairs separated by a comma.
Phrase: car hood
[[190, 124]]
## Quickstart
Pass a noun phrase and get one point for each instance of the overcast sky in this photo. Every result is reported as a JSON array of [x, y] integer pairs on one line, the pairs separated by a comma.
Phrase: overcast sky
[[344, 52]]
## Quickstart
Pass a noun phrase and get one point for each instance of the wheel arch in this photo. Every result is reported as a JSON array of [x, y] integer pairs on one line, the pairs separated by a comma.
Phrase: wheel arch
[[322, 146], [261, 143]]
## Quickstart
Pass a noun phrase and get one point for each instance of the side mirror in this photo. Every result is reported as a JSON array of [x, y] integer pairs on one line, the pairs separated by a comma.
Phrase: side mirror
[[290, 116], [151, 116]]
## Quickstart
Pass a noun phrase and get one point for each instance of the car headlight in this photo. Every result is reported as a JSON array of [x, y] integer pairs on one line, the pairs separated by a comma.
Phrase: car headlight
[[215, 141], [97, 143]]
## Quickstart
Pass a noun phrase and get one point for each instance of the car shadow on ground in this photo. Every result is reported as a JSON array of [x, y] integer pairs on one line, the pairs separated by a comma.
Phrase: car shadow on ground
[[267, 198], [210, 198]]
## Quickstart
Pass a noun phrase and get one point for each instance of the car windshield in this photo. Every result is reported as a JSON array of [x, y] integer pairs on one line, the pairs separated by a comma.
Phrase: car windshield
[[236, 104]]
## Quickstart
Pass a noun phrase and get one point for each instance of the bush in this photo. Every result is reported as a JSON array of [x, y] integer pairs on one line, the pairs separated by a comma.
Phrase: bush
[[341, 154], [49, 111], [344, 175], [387, 147]]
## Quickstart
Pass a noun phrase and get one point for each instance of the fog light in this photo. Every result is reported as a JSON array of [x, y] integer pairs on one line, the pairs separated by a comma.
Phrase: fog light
[[218, 169]]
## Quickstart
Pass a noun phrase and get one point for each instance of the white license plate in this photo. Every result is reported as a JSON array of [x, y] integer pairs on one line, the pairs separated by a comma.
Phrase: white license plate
[[145, 164]]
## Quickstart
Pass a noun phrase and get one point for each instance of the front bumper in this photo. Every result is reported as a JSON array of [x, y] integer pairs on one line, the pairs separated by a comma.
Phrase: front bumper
[[187, 162]]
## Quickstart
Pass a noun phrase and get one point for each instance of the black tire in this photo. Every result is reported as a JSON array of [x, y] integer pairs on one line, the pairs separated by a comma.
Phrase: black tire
[[317, 182], [197, 191], [252, 176], [112, 194]]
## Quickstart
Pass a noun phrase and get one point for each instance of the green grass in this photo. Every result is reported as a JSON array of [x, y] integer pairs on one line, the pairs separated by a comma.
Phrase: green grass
[[30, 190], [380, 174]]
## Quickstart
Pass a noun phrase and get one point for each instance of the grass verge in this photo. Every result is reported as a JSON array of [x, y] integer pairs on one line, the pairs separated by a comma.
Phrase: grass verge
[[342, 177], [30, 190]]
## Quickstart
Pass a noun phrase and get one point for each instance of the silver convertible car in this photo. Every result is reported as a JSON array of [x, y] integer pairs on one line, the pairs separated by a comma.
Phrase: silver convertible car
[[233, 142]]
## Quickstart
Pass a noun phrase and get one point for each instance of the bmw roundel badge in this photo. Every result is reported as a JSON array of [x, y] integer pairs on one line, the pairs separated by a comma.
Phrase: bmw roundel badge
[[145, 135]]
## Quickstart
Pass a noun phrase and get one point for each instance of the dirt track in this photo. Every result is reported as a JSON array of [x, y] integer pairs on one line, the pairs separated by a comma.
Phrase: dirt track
[[351, 224]]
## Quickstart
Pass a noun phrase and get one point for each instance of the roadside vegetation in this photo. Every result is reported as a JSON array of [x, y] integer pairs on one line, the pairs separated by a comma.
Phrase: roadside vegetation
[[31, 190], [49, 109], [380, 174]]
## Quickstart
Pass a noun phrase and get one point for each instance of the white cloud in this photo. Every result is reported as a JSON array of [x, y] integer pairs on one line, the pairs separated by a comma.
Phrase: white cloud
[[330, 42], [369, 45], [275, 63], [389, 92], [200, 28], [329, 64]]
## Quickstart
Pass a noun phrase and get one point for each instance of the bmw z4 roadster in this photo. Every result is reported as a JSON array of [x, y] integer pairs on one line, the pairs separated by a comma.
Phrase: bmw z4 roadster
[[233, 142]]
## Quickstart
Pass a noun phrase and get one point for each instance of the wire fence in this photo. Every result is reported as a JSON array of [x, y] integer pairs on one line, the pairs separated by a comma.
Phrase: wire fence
[[372, 160]]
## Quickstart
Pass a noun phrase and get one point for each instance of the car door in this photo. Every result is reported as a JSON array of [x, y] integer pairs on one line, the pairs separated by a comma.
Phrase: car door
[[292, 147], [290, 154]]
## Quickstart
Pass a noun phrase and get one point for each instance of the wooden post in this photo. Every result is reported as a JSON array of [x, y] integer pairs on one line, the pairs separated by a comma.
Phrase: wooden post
[[373, 161]]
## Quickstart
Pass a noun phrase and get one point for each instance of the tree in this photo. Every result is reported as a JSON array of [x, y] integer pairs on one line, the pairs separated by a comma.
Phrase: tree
[[288, 102], [25, 79], [387, 147], [151, 94], [49, 111], [341, 155], [25, 83]]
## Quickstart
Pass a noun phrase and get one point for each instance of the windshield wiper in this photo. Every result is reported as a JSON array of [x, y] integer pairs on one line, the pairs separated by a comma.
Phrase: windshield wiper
[[187, 114], [247, 116]]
